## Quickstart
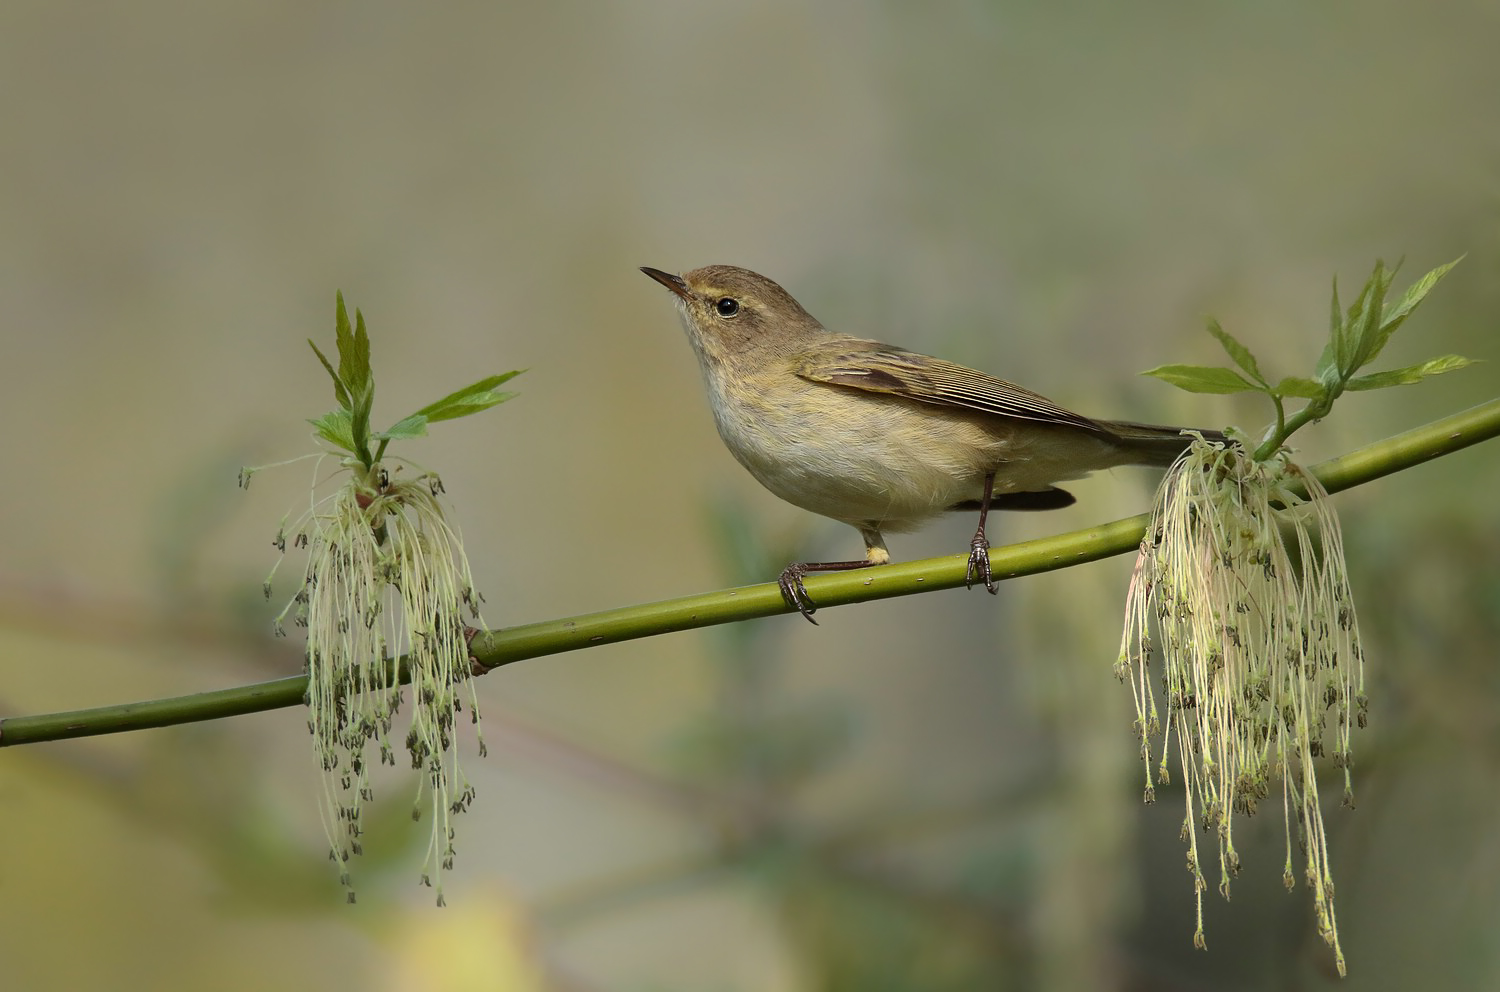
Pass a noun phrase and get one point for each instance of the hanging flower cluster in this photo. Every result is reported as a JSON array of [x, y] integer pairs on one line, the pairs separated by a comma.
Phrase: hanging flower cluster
[[383, 598]]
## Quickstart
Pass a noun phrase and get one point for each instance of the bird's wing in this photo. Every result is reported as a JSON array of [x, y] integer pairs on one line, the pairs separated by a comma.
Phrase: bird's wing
[[885, 369]]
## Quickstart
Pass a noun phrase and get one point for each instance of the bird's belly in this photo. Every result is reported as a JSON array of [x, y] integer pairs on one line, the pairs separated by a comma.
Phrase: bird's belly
[[896, 467]]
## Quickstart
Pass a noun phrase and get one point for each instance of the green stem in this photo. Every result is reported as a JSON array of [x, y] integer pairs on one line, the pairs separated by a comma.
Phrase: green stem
[[1280, 419], [508, 645], [1285, 428]]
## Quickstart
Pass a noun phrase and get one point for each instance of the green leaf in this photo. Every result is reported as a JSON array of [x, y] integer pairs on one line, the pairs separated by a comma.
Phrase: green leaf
[[1307, 389], [404, 429], [1395, 315], [1237, 351], [354, 366], [1411, 374], [1361, 327], [1343, 337], [1418, 291], [339, 392], [470, 405], [354, 350], [472, 398], [1328, 367], [1204, 379], [337, 429], [353, 384]]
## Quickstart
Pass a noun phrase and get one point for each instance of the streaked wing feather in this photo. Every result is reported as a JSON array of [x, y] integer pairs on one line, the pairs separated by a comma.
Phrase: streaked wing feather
[[884, 369]]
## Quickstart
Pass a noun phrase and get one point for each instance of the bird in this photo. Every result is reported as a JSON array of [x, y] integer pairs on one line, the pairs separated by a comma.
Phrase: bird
[[879, 437]]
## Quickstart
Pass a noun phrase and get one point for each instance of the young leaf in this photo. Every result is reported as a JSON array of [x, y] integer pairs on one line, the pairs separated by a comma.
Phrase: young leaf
[[1395, 315], [354, 366], [1328, 366], [354, 350], [1418, 291], [1344, 335], [404, 429], [1361, 327], [472, 398], [1306, 389], [1237, 351], [337, 429], [1204, 379], [1410, 374], [339, 392]]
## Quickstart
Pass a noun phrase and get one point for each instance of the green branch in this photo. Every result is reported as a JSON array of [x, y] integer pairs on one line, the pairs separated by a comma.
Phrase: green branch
[[505, 646]]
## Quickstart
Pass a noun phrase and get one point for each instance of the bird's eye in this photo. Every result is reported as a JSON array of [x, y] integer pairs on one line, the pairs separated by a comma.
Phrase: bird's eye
[[727, 306]]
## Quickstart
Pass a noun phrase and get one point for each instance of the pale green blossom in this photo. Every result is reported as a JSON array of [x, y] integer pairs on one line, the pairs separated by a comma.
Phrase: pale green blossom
[[1241, 599], [386, 578]]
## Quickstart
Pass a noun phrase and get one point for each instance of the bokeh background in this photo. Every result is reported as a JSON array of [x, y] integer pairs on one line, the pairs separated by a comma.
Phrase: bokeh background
[[938, 792]]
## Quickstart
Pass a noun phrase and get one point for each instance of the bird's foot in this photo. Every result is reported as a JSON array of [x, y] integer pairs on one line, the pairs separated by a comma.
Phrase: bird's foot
[[979, 564], [795, 593]]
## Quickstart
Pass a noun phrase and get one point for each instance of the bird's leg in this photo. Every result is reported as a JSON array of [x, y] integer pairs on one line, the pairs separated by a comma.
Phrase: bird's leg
[[979, 548], [795, 593]]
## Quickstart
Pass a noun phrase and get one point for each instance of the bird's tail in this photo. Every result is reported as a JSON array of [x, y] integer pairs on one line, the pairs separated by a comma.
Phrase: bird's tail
[[1150, 444]]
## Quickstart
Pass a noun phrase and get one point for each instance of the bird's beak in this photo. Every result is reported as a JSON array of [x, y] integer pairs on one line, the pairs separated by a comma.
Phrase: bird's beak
[[675, 283]]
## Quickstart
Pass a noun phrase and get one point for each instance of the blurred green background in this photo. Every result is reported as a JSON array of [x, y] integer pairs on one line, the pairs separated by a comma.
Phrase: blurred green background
[[938, 792]]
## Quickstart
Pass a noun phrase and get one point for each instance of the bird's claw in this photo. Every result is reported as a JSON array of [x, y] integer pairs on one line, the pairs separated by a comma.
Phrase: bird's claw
[[979, 564], [795, 593]]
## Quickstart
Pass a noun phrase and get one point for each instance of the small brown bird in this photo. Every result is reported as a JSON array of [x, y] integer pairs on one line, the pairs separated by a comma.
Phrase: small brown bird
[[878, 437]]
